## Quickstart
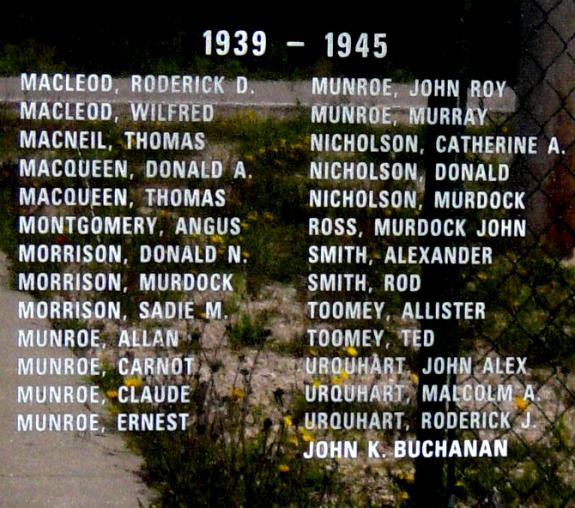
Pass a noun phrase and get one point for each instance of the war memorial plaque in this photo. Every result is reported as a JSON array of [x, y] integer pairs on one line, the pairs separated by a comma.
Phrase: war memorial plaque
[[297, 262]]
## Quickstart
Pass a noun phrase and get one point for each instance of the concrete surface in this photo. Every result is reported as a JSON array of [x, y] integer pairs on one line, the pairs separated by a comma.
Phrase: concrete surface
[[55, 469]]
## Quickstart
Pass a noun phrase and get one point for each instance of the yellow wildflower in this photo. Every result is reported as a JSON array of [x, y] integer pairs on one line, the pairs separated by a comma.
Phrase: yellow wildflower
[[414, 378], [283, 468], [316, 383], [288, 421], [238, 393], [404, 495], [344, 374], [111, 394], [293, 440], [134, 381], [336, 380], [305, 435], [351, 351], [521, 403]]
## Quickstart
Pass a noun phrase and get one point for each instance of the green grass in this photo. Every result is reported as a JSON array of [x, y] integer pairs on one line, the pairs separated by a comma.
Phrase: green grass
[[248, 331]]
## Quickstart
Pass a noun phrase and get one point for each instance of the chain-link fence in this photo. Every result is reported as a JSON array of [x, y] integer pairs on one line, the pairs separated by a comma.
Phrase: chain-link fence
[[522, 353]]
